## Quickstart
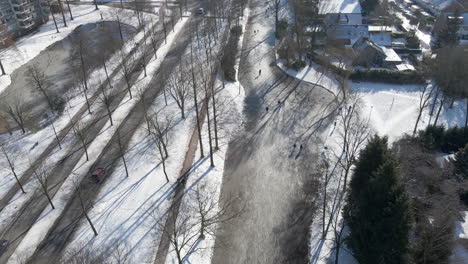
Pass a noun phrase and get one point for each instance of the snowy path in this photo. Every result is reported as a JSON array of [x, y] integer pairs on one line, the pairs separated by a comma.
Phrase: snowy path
[[262, 168]]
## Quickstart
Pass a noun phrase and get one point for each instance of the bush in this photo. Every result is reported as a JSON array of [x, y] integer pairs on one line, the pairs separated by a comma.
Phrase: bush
[[387, 76], [431, 137], [461, 165], [281, 29], [58, 104], [297, 64], [464, 197], [438, 138], [229, 58]]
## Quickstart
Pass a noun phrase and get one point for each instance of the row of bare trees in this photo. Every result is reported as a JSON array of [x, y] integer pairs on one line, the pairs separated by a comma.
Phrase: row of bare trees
[[352, 133]]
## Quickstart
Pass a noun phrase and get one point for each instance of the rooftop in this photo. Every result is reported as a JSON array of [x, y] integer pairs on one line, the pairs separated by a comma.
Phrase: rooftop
[[339, 6]]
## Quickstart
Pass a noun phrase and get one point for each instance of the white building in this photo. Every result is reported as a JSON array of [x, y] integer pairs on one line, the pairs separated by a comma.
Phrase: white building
[[343, 21]]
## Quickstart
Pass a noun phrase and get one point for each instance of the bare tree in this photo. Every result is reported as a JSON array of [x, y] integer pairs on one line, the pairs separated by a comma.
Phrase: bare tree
[[125, 67], [53, 17], [80, 86], [84, 205], [354, 132], [276, 6], [142, 101], [205, 80], [41, 172], [209, 212], [425, 95], [159, 133], [63, 13], [197, 218], [9, 161], [16, 111], [122, 151], [179, 88], [36, 78], [69, 9], [194, 86], [106, 98], [82, 135]]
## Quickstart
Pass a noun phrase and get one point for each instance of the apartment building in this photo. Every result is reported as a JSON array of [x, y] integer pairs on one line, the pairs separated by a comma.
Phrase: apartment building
[[18, 17]]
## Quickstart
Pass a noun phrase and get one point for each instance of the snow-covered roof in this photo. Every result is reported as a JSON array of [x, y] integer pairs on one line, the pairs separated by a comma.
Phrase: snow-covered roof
[[380, 28], [339, 6], [381, 38], [405, 67], [391, 55]]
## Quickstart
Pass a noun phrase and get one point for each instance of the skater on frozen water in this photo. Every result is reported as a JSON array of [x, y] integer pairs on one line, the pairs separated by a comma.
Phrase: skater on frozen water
[[266, 108], [259, 72], [279, 102]]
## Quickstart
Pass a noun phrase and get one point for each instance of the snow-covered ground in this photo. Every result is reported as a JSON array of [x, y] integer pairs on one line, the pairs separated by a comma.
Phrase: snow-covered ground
[[29, 46], [48, 217], [35, 142], [460, 253], [204, 177]]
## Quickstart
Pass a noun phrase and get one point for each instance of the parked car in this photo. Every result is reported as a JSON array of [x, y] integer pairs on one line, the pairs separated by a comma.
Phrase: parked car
[[200, 11], [3, 246], [99, 174]]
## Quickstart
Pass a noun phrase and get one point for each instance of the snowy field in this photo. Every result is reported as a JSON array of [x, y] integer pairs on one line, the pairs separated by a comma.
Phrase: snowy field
[[35, 142], [29, 46]]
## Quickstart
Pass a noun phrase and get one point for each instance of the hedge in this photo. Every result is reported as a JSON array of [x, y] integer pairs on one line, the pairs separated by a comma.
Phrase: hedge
[[229, 58], [387, 76], [446, 140]]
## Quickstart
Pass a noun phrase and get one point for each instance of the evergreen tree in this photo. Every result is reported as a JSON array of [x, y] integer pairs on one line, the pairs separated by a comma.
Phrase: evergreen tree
[[369, 5], [449, 37], [461, 161], [378, 211]]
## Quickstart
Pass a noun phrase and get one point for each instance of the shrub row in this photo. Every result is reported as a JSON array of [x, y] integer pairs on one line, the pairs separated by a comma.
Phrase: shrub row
[[387, 76], [446, 140], [229, 57]]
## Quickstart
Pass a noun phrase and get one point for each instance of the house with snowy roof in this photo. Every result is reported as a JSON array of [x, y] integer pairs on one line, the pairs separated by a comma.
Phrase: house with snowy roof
[[343, 21]]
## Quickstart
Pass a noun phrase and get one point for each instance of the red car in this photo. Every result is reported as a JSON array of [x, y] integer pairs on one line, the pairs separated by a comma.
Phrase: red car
[[99, 175]]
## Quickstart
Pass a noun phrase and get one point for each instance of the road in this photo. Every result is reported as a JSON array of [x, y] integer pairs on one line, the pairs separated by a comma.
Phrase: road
[[275, 181]]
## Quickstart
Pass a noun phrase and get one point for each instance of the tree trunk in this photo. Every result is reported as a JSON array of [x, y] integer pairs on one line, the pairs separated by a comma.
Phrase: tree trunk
[[107, 74], [17, 180], [451, 103], [85, 149], [124, 162], [90, 223], [417, 121], [435, 102], [120, 30], [83, 70], [53, 17], [109, 113], [48, 197], [1, 68], [209, 129], [442, 102], [69, 10], [466, 116], [87, 101], [56, 136], [63, 13], [202, 155], [215, 123]]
